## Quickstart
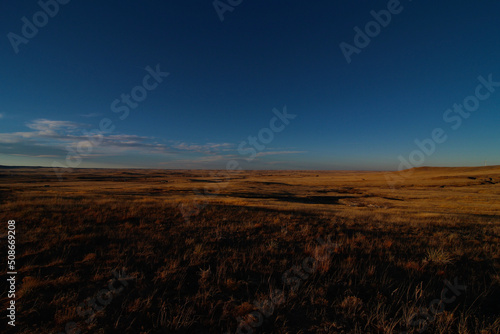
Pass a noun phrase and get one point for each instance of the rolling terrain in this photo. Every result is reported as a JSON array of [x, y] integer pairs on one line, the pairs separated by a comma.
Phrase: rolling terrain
[[195, 251]]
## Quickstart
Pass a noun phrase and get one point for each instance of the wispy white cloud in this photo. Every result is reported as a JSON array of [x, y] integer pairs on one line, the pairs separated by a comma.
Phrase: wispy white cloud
[[43, 129], [35, 156], [53, 138], [219, 161], [267, 153], [203, 148], [50, 128], [59, 136], [2, 115]]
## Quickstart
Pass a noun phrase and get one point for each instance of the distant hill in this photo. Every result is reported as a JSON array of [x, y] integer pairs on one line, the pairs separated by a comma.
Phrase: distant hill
[[455, 169], [18, 167]]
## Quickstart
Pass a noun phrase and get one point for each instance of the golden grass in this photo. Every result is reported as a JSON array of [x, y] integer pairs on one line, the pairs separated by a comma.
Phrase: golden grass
[[395, 247]]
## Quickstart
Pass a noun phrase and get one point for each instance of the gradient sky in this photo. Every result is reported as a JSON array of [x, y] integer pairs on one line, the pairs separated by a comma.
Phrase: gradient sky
[[226, 77]]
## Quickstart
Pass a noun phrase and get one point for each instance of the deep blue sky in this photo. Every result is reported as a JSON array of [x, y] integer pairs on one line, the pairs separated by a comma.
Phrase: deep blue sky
[[226, 77]]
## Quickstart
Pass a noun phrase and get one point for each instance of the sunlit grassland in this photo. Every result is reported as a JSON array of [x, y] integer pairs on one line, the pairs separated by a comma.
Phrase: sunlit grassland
[[200, 273]]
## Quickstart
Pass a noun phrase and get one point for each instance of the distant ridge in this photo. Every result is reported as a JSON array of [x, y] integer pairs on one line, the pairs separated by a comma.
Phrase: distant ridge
[[454, 169], [415, 169], [16, 167]]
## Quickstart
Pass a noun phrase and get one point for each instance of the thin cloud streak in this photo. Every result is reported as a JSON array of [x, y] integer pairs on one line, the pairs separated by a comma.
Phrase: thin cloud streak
[[54, 138]]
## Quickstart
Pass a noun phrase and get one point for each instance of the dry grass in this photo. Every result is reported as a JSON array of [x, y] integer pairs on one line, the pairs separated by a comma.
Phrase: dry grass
[[395, 247]]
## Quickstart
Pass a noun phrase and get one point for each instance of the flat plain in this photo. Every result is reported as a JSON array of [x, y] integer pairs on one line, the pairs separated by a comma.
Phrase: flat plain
[[196, 251]]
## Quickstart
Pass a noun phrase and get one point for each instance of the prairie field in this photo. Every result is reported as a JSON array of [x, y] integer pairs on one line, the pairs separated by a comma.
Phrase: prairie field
[[198, 251]]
